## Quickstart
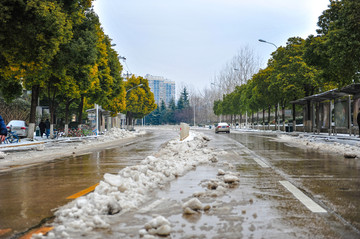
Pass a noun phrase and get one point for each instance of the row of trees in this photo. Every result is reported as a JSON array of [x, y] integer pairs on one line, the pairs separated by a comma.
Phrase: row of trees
[[304, 66], [58, 50], [173, 113]]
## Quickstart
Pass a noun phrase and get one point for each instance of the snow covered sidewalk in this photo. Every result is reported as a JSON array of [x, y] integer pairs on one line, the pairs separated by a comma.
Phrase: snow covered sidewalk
[[349, 146], [42, 150]]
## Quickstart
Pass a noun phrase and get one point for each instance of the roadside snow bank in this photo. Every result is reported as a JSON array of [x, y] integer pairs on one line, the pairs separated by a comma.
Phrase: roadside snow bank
[[128, 189], [326, 144], [117, 133]]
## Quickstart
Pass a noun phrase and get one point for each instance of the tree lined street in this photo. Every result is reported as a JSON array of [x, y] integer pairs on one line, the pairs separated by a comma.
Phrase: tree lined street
[[58, 63], [259, 205]]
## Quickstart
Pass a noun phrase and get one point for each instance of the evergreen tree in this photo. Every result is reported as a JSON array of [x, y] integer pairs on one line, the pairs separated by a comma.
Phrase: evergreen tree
[[163, 113]]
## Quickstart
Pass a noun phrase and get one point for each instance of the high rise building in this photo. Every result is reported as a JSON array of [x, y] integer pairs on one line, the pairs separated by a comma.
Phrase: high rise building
[[163, 89]]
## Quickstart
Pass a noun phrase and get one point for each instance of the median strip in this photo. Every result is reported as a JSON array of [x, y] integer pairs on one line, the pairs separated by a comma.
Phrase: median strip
[[308, 202], [83, 192]]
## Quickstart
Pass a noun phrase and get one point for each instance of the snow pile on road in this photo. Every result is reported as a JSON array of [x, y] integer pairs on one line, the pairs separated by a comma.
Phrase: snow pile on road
[[117, 133], [129, 188], [326, 144], [159, 226], [218, 186]]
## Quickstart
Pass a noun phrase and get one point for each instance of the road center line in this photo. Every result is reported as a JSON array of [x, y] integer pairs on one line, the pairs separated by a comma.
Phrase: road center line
[[83, 192], [257, 158], [308, 202]]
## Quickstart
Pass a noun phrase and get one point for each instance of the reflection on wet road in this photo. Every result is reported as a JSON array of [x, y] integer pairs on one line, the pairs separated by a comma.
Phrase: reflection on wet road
[[29, 195], [331, 179], [259, 207]]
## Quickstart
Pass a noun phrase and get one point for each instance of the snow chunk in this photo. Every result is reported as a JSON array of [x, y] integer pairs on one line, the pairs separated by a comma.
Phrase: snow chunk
[[2, 155], [193, 204], [221, 172], [231, 179], [158, 226]]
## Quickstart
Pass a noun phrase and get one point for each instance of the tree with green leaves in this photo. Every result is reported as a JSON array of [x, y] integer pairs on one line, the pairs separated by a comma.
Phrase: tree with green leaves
[[336, 49], [171, 112], [292, 77], [31, 33]]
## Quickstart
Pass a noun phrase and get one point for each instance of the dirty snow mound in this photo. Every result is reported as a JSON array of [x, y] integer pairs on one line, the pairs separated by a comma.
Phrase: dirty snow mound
[[129, 188], [328, 144]]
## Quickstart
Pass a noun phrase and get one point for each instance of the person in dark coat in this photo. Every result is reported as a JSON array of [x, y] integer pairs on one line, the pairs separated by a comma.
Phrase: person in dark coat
[[47, 127], [3, 130], [358, 120], [42, 127]]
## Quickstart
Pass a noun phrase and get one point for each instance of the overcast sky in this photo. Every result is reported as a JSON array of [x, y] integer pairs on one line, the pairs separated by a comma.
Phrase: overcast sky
[[190, 41]]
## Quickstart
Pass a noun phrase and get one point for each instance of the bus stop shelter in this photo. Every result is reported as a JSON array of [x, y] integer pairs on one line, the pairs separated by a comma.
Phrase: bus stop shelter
[[332, 111]]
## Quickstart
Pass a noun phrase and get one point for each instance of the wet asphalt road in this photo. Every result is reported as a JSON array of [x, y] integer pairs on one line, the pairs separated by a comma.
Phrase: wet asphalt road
[[260, 207], [30, 195]]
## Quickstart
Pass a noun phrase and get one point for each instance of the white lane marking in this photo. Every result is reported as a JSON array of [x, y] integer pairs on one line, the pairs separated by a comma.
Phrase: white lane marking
[[257, 158], [260, 162], [308, 202]]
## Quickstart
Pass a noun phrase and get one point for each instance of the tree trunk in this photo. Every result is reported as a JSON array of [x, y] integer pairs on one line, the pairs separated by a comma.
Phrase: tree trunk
[[52, 109], [276, 115], [283, 116], [80, 109], [263, 118], [34, 102], [269, 116]]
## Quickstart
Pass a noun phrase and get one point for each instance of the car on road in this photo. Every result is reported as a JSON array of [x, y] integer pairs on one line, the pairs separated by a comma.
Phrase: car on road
[[18, 127], [222, 127]]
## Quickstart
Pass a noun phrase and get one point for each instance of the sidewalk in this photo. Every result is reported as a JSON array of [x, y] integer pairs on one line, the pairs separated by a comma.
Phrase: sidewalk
[[343, 144], [41, 150]]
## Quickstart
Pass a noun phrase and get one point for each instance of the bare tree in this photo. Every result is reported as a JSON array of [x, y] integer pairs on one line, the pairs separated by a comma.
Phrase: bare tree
[[238, 70]]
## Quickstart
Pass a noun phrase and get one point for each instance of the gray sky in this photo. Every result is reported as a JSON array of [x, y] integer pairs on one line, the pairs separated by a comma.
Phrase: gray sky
[[190, 41]]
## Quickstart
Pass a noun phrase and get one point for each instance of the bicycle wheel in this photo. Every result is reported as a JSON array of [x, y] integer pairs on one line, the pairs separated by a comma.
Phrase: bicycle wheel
[[16, 139], [8, 139]]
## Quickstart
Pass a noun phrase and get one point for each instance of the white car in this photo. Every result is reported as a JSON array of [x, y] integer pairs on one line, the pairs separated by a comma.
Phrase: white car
[[222, 127], [18, 127]]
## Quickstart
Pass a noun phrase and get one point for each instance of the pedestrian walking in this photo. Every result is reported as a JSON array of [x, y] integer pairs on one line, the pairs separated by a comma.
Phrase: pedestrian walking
[[47, 127], [3, 130], [358, 121], [42, 127]]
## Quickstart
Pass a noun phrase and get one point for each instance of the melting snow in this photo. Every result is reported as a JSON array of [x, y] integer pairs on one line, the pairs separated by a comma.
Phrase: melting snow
[[129, 188]]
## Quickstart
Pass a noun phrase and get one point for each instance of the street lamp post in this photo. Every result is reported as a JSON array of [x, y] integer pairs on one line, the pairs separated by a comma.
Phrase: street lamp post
[[263, 41]]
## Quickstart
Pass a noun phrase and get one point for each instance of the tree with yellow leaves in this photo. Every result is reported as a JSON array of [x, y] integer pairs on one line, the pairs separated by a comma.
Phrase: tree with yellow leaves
[[139, 99]]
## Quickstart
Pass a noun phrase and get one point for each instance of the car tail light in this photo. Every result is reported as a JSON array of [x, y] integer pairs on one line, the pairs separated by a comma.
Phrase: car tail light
[[227, 126], [23, 128], [219, 126], [8, 127]]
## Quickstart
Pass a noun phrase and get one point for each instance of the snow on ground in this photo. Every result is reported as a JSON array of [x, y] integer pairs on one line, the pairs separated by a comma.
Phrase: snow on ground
[[128, 190], [341, 144], [42, 149]]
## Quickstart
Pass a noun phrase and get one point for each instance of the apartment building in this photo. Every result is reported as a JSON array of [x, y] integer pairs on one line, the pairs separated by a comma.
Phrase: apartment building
[[163, 89]]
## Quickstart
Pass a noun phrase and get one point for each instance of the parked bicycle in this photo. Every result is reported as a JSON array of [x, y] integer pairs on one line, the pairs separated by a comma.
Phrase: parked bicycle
[[12, 137]]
